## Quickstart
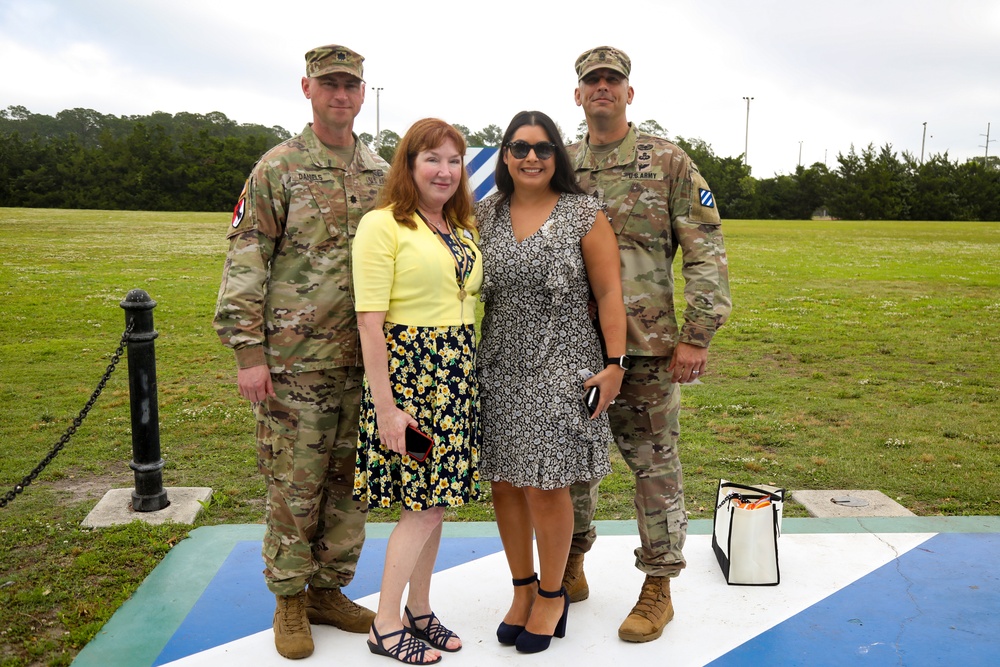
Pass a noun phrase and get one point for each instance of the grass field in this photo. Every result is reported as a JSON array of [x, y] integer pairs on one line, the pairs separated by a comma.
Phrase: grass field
[[858, 356]]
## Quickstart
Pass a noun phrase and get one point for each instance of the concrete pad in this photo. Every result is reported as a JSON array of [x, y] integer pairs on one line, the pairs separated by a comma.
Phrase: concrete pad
[[115, 508], [849, 504]]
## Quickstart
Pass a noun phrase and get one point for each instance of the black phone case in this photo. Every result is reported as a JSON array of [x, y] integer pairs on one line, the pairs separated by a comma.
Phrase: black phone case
[[418, 445], [591, 399]]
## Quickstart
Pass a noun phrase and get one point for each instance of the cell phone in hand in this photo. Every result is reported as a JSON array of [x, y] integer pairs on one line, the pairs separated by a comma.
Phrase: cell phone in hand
[[592, 396], [418, 444], [591, 399]]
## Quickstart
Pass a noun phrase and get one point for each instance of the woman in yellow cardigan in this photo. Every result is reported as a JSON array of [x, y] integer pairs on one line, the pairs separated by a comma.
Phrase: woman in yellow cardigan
[[417, 274]]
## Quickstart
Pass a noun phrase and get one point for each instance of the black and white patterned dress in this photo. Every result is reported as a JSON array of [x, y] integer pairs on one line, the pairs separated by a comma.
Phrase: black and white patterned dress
[[537, 336]]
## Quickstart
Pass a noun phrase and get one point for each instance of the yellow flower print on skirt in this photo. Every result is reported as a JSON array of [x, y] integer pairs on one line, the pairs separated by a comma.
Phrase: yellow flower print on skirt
[[432, 373]]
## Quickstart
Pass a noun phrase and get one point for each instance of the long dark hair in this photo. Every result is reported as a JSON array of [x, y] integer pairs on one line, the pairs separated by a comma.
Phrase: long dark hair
[[564, 178]]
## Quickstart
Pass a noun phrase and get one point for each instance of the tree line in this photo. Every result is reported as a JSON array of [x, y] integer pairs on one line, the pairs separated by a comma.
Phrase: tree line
[[81, 158]]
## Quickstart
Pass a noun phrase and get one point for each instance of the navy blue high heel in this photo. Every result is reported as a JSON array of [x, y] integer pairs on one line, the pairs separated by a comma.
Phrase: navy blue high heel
[[507, 634], [529, 642]]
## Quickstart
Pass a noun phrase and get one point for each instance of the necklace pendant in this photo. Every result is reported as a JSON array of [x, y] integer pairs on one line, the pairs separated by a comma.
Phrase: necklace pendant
[[462, 294]]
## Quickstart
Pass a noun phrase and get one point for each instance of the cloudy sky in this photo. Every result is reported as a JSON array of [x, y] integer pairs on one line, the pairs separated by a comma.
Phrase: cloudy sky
[[823, 75]]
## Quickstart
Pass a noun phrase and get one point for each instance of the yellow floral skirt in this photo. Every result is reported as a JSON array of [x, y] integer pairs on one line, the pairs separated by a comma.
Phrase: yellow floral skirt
[[433, 375]]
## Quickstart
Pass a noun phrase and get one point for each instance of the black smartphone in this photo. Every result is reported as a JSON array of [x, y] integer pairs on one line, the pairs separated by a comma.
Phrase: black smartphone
[[418, 444], [591, 400]]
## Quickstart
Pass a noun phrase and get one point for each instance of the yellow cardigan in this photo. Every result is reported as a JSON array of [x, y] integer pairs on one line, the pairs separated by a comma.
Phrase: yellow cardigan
[[410, 274]]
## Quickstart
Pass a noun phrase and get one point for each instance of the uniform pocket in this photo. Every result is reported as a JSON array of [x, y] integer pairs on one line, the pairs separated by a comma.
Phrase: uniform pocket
[[277, 430], [657, 420], [620, 214]]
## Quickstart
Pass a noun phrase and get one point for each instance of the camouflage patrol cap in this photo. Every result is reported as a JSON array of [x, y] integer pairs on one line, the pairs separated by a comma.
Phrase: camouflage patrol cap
[[334, 58], [603, 56]]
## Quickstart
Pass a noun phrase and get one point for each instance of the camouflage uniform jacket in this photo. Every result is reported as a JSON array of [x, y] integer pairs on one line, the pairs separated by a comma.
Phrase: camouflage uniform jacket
[[286, 298], [657, 201]]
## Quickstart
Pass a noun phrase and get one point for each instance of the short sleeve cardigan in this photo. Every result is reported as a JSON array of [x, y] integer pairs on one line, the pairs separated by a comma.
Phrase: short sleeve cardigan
[[410, 274]]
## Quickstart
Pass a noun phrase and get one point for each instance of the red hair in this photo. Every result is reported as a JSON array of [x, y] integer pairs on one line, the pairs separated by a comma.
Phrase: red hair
[[400, 191]]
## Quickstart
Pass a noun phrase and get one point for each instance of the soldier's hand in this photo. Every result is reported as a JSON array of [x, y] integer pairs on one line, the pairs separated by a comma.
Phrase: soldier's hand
[[255, 383], [689, 362]]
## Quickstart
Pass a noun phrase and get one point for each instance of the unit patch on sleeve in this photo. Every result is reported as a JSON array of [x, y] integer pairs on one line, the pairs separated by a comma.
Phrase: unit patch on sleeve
[[706, 198], [240, 207]]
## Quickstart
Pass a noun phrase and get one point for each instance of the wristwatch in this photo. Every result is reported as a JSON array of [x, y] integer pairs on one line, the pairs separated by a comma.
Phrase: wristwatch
[[623, 361]]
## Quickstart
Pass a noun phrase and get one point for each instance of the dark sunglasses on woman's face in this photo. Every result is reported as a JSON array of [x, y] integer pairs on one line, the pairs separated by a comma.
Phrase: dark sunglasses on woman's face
[[543, 149]]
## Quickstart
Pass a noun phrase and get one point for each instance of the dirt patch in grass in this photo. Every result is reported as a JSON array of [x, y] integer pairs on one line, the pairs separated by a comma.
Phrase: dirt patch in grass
[[77, 489]]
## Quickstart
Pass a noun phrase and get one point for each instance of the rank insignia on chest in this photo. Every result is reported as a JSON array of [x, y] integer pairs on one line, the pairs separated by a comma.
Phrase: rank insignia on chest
[[706, 198]]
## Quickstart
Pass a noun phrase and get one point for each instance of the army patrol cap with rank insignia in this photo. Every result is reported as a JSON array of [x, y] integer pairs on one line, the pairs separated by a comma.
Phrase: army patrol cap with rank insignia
[[603, 56], [334, 58]]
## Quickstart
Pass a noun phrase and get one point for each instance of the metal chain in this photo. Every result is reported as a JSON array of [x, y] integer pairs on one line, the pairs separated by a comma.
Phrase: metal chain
[[30, 477]]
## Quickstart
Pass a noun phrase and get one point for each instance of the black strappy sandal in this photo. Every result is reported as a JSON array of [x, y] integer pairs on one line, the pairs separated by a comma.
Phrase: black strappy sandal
[[407, 648], [433, 633]]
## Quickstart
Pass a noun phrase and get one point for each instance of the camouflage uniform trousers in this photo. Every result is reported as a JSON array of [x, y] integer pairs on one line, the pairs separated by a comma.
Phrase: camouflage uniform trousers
[[307, 439], [646, 422]]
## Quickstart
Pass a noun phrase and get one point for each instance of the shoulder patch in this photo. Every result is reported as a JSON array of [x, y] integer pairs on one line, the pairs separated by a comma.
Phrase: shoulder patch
[[706, 198], [240, 209]]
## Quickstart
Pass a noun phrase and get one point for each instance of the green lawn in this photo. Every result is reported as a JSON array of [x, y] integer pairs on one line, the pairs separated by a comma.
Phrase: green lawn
[[858, 356]]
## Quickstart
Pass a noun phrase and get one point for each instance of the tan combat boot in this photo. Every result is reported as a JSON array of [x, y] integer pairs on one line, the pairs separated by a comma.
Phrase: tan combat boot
[[292, 634], [651, 613], [574, 580], [329, 606]]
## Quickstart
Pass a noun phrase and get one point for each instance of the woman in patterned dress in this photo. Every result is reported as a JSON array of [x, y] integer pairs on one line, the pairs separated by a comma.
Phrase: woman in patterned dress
[[547, 248], [417, 273]]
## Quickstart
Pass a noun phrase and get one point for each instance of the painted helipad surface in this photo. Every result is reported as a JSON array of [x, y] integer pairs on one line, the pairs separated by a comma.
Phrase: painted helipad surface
[[899, 591]]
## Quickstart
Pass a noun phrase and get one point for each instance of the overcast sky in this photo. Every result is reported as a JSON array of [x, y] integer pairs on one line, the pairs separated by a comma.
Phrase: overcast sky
[[823, 75]]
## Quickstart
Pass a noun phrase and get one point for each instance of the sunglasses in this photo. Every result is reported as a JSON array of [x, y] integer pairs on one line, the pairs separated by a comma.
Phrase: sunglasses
[[543, 149]]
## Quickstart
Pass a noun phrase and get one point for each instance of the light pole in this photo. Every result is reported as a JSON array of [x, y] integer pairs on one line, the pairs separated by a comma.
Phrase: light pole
[[922, 143], [800, 152], [378, 128], [746, 138]]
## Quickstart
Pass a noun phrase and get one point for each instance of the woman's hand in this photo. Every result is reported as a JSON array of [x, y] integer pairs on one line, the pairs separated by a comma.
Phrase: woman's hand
[[609, 382], [392, 425]]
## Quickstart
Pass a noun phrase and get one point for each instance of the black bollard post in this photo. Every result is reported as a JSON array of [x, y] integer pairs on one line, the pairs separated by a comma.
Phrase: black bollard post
[[149, 494]]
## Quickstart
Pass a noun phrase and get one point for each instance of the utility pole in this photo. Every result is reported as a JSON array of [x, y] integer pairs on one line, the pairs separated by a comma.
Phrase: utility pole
[[922, 143], [800, 152], [987, 146], [746, 139], [378, 127]]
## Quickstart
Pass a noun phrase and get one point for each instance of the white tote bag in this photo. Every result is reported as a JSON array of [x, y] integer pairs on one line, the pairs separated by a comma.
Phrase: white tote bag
[[745, 534]]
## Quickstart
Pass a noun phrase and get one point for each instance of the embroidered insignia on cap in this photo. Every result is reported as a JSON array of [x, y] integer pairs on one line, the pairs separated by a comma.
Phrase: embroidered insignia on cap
[[707, 200]]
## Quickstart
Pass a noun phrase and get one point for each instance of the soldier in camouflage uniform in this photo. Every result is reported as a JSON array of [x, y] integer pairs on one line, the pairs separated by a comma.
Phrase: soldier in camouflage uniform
[[286, 309], [657, 202]]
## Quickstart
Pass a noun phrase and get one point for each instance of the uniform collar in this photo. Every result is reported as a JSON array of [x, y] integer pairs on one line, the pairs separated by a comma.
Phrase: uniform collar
[[322, 156], [625, 155]]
